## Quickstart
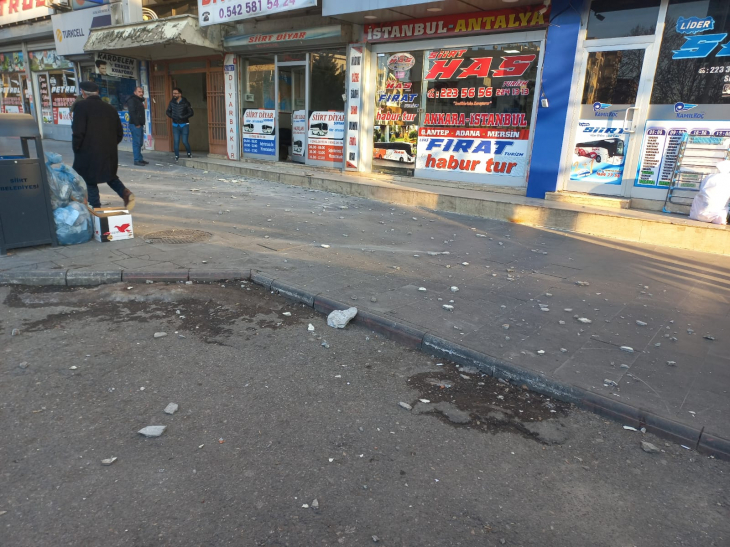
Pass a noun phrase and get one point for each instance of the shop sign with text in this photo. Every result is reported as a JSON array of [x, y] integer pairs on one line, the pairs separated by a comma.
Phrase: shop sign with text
[[259, 132], [108, 64], [230, 64], [213, 12], [522, 18], [71, 29], [14, 11]]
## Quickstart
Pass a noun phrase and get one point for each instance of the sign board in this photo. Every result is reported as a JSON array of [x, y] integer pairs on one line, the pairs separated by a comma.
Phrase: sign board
[[109, 64], [71, 29], [326, 135], [86, 4], [258, 132], [449, 26], [230, 76], [254, 41], [14, 11], [600, 150], [213, 12], [354, 108], [299, 135]]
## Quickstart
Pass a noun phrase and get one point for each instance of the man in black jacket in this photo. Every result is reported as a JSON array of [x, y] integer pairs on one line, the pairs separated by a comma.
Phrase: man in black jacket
[[180, 111], [96, 133], [136, 106]]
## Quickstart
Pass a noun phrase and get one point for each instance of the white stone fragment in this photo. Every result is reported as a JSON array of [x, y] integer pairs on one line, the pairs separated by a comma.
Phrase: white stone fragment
[[340, 318]]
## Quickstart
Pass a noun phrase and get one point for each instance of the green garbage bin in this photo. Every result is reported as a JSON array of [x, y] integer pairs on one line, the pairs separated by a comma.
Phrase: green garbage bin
[[26, 217]]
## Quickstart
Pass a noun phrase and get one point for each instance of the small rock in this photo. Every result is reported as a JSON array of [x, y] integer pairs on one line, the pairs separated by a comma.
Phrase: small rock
[[627, 349], [73, 367], [286, 314], [608, 382], [325, 246], [405, 405], [150, 282], [541, 352], [152, 430], [624, 366], [305, 506], [563, 350], [160, 334], [584, 320], [108, 461], [23, 365], [505, 326], [310, 328], [422, 289], [464, 263], [650, 448], [314, 504], [582, 283], [568, 309], [171, 408], [672, 363], [708, 337], [325, 345], [339, 319], [448, 307], [640, 323], [454, 289], [376, 539], [424, 401], [15, 332], [373, 299]]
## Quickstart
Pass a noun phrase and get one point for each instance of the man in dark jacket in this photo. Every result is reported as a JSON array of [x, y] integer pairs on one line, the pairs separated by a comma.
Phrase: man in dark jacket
[[96, 132], [136, 106], [180, 111]]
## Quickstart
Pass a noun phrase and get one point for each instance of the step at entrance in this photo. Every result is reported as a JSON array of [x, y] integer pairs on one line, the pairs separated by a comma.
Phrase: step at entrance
[[578, 198]]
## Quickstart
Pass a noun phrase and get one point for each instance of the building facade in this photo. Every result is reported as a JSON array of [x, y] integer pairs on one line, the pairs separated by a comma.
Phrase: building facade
[[528, 96]]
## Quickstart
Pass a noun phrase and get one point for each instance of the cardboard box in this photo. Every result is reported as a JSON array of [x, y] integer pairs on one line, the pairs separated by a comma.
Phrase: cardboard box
[[112, 224]]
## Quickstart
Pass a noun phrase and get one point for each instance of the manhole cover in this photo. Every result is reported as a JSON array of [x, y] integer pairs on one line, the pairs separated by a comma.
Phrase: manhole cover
[[177, 236]]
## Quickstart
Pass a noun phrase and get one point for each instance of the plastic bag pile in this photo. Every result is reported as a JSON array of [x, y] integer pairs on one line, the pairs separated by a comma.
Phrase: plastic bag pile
[[710, 204], [73, 220]]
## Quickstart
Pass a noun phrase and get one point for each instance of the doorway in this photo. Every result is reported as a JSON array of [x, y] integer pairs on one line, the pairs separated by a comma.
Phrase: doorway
[[605, 149], [193, 87], [292, 85]]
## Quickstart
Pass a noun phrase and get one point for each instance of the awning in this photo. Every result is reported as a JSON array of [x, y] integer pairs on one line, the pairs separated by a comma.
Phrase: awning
[[171, 38]]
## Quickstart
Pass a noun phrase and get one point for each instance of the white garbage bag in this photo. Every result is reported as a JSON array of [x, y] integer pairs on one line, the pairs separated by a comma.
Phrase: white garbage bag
[[710, 204]]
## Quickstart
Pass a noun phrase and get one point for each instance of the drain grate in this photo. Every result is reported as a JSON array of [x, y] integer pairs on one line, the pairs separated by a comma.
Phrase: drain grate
[[177, 236]]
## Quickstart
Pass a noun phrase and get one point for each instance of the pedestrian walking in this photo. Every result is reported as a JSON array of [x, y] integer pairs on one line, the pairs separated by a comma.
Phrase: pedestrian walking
[[96, 133], [180, 111], [136, 106]]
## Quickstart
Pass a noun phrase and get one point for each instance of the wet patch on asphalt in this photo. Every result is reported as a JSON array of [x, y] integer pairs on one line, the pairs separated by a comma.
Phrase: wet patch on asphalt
[[466, 398]]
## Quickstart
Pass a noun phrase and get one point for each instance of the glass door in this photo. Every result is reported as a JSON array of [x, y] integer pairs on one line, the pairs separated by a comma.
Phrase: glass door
[[604, 152], [291, 108]]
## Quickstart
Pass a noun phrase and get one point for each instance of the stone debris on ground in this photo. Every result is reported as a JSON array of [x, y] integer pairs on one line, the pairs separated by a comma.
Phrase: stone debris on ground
[[314, 504], [405, 405], [15, 332], [672, 363], [108, 461], [650, 448], [152, 430], [23, 365], [448, 307], [641, 323], [585, 320], [627, 349], [160, 334], [171, 408], [582, 283], [310, 327], [339, 319], [454, 289]]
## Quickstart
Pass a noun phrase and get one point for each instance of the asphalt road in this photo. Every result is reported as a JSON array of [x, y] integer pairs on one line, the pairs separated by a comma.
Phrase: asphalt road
[[270, 420]]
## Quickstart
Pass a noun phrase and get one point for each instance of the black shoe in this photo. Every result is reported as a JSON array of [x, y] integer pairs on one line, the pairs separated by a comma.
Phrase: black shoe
[[145, 162], [140, 163], [190, 155], [177, 158]]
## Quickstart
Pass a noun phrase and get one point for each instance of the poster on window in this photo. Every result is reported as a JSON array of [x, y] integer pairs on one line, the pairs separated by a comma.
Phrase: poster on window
[[600, 151], [11, 94], [326, 136], [63, 95], [108, 64], [299, 134], [479, 103], [11, 62], [259, 132]]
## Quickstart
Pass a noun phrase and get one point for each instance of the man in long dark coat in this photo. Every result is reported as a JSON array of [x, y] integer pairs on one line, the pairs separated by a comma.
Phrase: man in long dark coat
[[97, 130]]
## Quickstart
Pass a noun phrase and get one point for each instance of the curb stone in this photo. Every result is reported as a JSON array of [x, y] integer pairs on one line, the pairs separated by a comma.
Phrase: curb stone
[[698, 439]]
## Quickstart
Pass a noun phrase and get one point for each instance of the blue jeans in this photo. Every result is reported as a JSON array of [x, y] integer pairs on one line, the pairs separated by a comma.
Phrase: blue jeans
[[177, 132], [95, 199], [137, 139]]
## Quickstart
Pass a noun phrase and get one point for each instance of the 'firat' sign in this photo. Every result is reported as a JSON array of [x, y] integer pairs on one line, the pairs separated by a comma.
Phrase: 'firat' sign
[[483, 22], [12, 11]]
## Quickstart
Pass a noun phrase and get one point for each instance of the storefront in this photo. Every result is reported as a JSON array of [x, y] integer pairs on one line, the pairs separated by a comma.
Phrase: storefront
[[15, 94], [451, 97], [643, 89], [292, 102]]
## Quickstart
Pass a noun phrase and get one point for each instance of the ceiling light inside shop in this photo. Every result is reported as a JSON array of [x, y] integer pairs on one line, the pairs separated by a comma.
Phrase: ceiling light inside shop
[[512, 51], [371, 17], [441, 9], [509, 1]]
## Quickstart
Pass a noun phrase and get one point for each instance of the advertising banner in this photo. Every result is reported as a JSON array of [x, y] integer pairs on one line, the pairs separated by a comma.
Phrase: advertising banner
[[109, 64], [299, 134], [230, 75], [483, 151], [14, 11], [326, 136], [449, 26], [47, 60], [354, 107], [600, 151], [257, 41], [11, 94], [124, 118], [213, 12], [71, 29], [11, 62], [45, 94], [258, 132]]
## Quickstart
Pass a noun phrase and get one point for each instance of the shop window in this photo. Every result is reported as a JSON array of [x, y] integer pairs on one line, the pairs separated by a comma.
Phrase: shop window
[[56, 81], [260, 88], [14, 94], [619, 18], [612, 77], [328, 82], [694, 58]]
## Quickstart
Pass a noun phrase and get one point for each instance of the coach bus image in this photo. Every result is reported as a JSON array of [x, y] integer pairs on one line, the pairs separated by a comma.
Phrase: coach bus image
[[394, 151], [319, 129], [248, 128], [267, 129], [298, 148], [603, 151]]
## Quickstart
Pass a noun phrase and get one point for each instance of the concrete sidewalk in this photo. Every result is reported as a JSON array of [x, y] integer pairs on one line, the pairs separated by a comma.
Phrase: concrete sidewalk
[[555, 304]]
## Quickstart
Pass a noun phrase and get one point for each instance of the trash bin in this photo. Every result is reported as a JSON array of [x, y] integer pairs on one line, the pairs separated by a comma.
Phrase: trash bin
[[26, 217]]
